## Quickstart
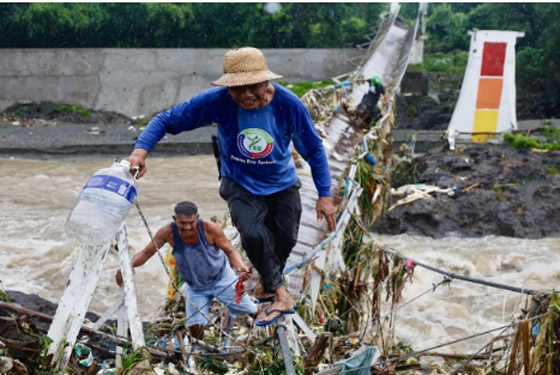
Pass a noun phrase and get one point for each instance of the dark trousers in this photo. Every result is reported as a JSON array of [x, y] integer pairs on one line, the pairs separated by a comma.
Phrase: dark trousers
[[367, 109], [268, 226]]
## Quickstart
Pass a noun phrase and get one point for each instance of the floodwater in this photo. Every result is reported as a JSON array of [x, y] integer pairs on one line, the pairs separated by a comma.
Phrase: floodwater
[[36, 255], [461, 308]]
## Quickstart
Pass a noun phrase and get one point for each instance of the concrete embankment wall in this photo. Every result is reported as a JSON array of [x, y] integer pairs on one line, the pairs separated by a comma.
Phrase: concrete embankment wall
[[141, 81]]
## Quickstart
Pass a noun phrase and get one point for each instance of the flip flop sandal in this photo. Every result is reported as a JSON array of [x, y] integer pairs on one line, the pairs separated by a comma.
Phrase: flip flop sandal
[[265, 300], [268, 312]]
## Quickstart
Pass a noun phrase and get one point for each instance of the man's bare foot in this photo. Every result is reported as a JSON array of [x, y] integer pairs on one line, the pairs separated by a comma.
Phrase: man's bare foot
[[283, 304], [260, 294], [260, 309]]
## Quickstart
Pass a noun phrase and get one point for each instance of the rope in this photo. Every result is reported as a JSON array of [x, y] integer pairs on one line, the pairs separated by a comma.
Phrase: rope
[[460, 277], [175, 286], [511, 325], [152, 238], [394, 309], [432, 289], [285, 347], [463, 364]]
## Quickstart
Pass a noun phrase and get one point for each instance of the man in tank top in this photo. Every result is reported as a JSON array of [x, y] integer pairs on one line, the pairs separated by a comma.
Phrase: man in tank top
[[258, 124], [206, 260]]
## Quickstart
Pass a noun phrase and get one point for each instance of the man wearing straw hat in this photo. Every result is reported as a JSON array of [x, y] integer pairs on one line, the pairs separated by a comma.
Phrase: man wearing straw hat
[[257, 122]]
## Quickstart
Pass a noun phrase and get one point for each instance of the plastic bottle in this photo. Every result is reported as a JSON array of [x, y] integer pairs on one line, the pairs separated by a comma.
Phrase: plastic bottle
[[102, 205]]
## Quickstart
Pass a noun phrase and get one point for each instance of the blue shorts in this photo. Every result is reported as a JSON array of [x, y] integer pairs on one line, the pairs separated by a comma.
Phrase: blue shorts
[[224, 291]]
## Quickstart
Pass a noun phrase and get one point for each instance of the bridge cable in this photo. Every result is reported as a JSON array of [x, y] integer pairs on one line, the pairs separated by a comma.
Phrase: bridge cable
[[464, 278]]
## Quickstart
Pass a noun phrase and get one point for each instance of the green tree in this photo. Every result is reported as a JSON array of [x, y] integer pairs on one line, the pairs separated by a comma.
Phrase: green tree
[[261, 23], [538, 71], [408, 12], [335, 25], [58, 25], [221, 25], [167, 23], [203, 25], [505, 16], [10, 27], [125, 26], [447, 30]]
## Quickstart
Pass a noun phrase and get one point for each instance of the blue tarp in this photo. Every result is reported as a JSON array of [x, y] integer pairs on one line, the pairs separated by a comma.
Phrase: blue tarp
[[360, 363]]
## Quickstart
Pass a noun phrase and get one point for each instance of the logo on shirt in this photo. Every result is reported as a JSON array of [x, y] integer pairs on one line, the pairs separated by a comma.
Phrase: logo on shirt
[[255, 143]]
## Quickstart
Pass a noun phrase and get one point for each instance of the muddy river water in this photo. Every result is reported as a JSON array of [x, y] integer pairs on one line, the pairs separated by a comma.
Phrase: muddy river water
[[36, 256]]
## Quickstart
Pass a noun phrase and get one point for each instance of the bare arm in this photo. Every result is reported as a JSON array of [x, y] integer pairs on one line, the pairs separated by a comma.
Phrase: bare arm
[[220, 240], [161, 238]]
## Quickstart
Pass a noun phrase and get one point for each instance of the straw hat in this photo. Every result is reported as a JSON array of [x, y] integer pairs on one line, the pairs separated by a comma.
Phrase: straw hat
[[244, 66]]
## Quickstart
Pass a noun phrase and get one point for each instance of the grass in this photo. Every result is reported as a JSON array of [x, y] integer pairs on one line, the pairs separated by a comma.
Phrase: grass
[[551, 133], [212, 365], [301, 88], [22, 112], [521, 141], [63, 108], [142, 121], [552, 170], [453, 62]]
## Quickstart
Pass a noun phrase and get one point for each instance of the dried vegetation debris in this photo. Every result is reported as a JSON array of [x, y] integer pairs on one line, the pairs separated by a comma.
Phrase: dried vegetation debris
[[533, 341]]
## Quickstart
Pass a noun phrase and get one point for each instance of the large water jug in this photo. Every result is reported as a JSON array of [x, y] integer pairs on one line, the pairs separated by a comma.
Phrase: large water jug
[[102, 205]]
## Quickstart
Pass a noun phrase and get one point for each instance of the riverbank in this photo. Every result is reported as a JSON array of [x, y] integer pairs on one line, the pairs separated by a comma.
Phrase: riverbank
[[52, 141], [46, 131], [479, 190]]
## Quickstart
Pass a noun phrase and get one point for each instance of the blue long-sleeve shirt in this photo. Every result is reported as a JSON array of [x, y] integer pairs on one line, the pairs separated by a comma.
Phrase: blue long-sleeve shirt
[[255, 145]]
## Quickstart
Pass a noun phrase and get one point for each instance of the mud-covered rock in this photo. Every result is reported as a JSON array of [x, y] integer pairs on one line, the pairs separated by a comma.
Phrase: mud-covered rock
[[422, 112], [499, 191]]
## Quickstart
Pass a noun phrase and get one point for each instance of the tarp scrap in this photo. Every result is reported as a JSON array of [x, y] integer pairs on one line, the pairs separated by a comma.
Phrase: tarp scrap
[[415, 192], [360, 363]]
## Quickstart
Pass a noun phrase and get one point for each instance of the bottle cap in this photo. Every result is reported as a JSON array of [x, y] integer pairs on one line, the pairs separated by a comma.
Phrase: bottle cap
[[125, 163]]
